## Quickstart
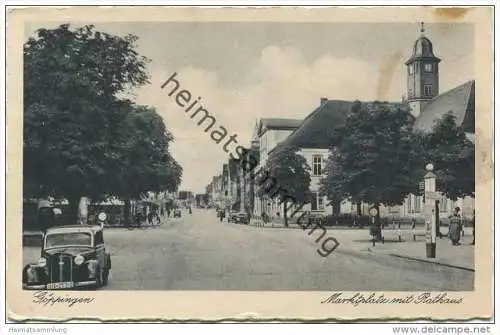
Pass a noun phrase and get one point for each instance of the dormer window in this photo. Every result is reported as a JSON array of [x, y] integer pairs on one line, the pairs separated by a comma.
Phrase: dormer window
[[428, 67]]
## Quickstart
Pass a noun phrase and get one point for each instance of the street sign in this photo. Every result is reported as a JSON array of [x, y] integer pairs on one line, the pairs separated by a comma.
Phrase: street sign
[[373, 211], [432, 195]]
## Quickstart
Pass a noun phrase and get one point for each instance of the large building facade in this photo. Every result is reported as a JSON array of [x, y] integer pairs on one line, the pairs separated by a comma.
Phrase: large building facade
[[313, 137]]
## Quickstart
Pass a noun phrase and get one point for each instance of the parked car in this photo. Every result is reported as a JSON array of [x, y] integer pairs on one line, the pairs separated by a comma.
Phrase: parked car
[[232, 217], [71, 257], [177, 213], [239, 217]]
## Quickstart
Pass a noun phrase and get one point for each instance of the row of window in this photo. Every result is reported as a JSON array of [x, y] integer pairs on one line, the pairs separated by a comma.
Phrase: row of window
[[427, 91], [427, 67]]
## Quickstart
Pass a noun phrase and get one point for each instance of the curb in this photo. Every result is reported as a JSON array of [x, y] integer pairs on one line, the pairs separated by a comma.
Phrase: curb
[[428, 261]]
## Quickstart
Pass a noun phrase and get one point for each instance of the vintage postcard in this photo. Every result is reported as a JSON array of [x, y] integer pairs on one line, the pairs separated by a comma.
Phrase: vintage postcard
[[249, 163]]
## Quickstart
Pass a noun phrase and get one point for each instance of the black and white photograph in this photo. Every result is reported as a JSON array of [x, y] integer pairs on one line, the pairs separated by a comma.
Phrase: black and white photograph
[[253, 155]]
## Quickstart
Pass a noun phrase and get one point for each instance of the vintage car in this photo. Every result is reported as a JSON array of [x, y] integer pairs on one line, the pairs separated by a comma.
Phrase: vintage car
[[71, 257], [177, 213], [238, 217]]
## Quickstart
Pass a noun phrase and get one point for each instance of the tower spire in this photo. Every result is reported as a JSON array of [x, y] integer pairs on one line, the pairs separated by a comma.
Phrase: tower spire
[[422, 28]]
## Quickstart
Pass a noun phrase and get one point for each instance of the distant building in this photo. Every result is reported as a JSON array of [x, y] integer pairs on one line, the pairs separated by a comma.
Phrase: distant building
[[268, 133], [313, 138], [313, 135]]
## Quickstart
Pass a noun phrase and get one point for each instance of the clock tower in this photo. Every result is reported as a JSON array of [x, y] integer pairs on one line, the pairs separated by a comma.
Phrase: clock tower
[[422, 74]]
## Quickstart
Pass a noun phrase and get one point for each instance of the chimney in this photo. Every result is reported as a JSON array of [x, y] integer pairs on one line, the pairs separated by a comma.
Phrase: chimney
[[323, 101]]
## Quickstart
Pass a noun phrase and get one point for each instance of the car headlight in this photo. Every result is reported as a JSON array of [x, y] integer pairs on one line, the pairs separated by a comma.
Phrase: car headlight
[[42, 261], [31, 275], [92, 267], [79, 260]]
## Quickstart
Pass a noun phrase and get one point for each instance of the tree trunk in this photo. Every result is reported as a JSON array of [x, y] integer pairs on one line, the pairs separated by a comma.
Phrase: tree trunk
[[335, 207], [378, 221], [126, 212], [73, 209], [284, 213]]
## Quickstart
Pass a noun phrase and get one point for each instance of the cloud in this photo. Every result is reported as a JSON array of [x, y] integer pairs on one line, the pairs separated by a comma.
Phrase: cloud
[[279, 84]]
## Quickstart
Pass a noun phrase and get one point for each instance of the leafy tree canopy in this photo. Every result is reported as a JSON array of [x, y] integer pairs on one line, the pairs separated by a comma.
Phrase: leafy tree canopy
[[80, 138], [289, 177], [375, 157], [145, 163], [452, 154]]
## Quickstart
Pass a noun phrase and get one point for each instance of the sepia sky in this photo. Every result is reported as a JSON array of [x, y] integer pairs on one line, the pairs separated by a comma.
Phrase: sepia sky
[[245, 71]]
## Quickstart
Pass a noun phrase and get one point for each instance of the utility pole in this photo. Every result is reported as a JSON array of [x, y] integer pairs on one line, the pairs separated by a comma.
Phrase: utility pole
[[430, 211]]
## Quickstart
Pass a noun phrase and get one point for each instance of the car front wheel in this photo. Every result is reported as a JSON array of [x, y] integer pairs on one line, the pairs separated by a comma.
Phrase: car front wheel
[[105, 277], [99, 278]]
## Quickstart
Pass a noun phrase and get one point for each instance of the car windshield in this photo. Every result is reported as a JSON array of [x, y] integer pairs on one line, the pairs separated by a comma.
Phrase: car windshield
[[61, 239]]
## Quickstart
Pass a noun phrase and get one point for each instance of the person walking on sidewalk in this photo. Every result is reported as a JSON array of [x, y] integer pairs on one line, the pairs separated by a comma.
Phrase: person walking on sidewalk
[[222, 214], [455, 227]]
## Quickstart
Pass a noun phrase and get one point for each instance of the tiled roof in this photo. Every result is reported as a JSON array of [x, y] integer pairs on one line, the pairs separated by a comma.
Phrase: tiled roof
[[317, 129], [460, 101]]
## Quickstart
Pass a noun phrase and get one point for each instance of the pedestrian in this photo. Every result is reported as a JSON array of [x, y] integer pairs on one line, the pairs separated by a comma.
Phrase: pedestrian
[[265, 218], [168, 212], [138, 219], [150, 218], [455, 227]]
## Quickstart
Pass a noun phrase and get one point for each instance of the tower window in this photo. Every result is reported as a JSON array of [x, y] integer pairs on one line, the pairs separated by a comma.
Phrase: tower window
[[428, 67], [410, 68], [427, 89]]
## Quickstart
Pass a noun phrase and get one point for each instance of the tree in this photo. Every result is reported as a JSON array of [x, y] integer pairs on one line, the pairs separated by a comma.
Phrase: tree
[[144, 162], [375, 156], [452, 154], [330, 185], [288, 178], [71, 82]]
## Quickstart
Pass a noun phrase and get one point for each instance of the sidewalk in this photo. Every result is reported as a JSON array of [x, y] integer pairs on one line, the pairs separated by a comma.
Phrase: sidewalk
[[292, 224], [403, 243], [461, 257]]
